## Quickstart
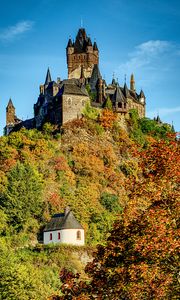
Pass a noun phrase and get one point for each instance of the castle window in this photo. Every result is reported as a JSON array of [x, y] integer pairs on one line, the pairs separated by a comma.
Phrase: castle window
[[78, 235], [124, 105], [50, 237], [120, 105], [59, 236], [69, 101]]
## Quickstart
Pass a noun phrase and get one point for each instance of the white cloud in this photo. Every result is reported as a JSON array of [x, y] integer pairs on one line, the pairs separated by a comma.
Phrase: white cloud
[[163, 111], [12, 32], [144, 54]]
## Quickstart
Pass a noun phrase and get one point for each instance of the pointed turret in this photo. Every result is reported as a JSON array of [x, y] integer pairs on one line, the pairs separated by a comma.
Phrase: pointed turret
[[48, 77], [125, 90], [142, 97], [81, 41], [132, 83], [118, 96], [89, 43], [70, 43], [10, 104], [142, 94], [95, 47], [94, 77], [158, 120], [10, 113]]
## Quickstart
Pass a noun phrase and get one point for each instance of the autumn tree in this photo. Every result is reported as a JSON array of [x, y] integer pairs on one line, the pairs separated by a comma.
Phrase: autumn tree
[[140, 259]]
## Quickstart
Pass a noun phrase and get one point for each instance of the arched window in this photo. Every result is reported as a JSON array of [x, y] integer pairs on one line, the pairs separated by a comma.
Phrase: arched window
[[78, 235], [50, 237], [59, 236], [119, 104]]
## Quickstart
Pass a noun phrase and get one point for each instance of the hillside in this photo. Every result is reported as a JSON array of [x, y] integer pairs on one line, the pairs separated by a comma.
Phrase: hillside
[[92, 165]]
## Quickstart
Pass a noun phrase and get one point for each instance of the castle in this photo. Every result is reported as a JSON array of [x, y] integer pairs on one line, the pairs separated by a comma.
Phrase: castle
[[63, 100]]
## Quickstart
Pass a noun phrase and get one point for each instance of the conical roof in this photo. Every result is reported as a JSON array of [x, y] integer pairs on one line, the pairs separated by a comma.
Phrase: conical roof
[[70, 43], [48, 77], [118, 95], [82, 41], [141, 95], [89, 42], [125, 90], [94, 77], [10, 103], [95, 47]]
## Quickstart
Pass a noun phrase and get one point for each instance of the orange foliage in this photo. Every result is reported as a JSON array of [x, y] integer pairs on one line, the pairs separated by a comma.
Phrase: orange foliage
[[107, 118]]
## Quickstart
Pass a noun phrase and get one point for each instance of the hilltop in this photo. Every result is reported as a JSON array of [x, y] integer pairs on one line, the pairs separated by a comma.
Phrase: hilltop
[[90, 164]]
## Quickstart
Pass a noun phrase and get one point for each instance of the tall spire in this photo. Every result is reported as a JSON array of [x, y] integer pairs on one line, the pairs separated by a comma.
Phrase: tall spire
[[10, 103], [132, 83], [48, 77]]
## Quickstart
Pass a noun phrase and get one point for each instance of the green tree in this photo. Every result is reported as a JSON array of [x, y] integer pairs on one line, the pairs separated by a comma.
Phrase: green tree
[[22, 199]]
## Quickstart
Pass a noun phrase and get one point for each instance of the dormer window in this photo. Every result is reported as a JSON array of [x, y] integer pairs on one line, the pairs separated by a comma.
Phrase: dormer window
[[78, 235]]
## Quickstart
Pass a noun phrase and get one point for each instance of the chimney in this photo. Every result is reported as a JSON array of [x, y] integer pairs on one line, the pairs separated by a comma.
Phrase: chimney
[[66, 210]]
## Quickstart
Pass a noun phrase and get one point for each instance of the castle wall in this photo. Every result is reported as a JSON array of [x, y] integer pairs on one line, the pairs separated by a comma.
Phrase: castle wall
[[72, 106], [77, 72], [140, 107]]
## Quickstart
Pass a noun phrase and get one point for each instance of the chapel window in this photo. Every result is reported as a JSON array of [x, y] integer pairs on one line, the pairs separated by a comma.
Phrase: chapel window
[[78, 235]]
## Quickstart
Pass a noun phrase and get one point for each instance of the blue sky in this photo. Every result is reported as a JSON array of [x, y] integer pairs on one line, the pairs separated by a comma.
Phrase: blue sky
[[133, 36]]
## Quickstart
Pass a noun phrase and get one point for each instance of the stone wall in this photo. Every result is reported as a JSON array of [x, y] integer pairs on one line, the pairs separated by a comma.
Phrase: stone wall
[[140, 107], [72, 106]]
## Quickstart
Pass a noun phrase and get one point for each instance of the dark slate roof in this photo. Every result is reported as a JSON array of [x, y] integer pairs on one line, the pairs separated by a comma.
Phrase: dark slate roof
[[28, 124], [63, 221], [81, 41], [72, 87], [141, 95], [48, 77], [126, 91], [118, 96], [95, 47], [10, 103], [89, 43], [94, 77], [70, 44], [114, 82]]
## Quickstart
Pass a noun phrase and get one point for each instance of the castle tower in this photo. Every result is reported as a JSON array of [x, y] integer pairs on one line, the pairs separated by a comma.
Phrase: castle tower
[[10, 113], [132, 83], [81, 53]]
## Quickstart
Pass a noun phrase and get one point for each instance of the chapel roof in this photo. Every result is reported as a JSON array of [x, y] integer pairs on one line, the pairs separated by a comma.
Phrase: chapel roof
[[64, 220]]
